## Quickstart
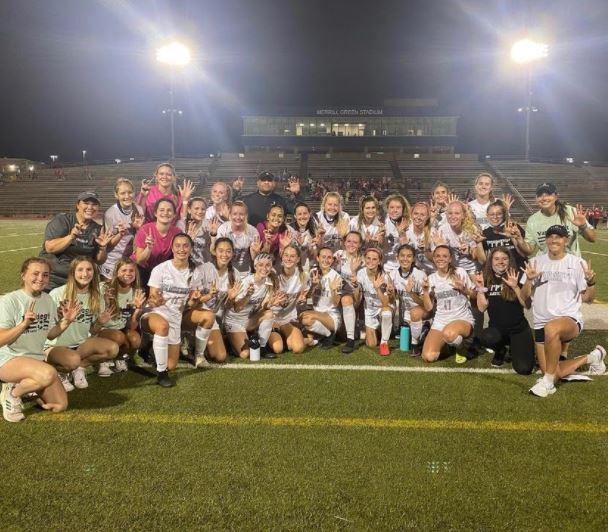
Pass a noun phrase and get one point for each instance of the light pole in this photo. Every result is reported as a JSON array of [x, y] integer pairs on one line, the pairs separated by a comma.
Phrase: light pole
[[526, 52], [84, 157], [53, 159], [174, 55]]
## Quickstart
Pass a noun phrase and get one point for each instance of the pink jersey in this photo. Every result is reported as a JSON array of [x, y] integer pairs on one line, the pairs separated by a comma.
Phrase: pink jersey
[[161, 251], [155, 195]]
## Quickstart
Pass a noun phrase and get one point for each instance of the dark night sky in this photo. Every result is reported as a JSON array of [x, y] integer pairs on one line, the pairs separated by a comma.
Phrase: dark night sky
[[81, 74]]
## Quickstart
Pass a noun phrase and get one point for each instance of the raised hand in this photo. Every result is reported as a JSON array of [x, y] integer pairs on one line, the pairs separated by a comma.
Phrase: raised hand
[[530, 270], [139, 298], [279, 299], [69, 310], [186, 189], [103, 238], [105, 316], [145, 187], [409, 284], [109, 296], [511, 278], [234, 290], [508, 200], [314, 277], [294, 185], [194, 297], [438, 239], [478, 279], [581, 215], [453, 197], [255, 247], [156, 299], [379, 281], [213, 226], [402, 226], [76, 230], [354, 264], [223, 212], [589, 274], [285, 239], [302, 297], [425, 286], [458, 284], [336, 284], [193, 229], [30, 316], [149, 239], [342, 227]]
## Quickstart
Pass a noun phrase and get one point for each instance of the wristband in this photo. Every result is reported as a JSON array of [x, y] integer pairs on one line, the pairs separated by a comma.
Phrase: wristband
[[481, 289]]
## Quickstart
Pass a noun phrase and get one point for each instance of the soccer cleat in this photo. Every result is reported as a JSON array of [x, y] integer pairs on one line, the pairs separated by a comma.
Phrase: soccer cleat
[[384, 350], [104, 370], [349, 346], [597, 365], [163, 379], [80, 379], [12, 407], [185, 347], [498, 359], [65, 380], [327, 342], [201, 361], [542, 389], [121, 365], [416, 349]]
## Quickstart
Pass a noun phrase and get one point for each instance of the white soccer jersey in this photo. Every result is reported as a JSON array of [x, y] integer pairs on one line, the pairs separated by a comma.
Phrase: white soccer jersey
[[292, 286], [558, 290], [455, 240], [451, 305], [242, 259], [322, 298], [175, 286], [367, 231], [254, 302], [112, 217], [200, 251], [212, 214], [479, 211], [303, 240], [391, 245], [400, 279], [210, 275], [422, 261], [372, 302], [331, 237], [343, 267]]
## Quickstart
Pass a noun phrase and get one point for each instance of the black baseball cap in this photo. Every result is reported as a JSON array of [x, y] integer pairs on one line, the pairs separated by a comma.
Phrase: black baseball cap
[[88, 196], [266, 176], [559, 230], [545, 188]]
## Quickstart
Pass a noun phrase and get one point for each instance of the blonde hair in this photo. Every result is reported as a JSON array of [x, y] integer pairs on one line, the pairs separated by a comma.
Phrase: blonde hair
[[93, 288], [406, 209], [485, 174], [427, 228], [360, 216], [336, 196], [468, 225]]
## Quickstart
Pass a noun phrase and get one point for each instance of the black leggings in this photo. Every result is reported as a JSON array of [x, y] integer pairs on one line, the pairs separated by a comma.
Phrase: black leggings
[[522, 347]]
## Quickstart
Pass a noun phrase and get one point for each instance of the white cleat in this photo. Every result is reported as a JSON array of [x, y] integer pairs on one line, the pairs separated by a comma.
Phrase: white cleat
[[542, 389], [12, 407], [65, 380], [597, 364], [80, 380], [104, 369]]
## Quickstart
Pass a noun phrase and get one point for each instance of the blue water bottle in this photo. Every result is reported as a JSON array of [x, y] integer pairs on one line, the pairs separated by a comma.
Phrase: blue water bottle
[[404, 338]]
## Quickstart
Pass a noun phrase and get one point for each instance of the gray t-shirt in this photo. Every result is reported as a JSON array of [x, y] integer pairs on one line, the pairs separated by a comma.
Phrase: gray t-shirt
[[84, 245]]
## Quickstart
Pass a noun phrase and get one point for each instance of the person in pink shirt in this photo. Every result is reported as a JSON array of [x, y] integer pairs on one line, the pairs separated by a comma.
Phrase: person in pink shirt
[[165, 188], [152, 242]]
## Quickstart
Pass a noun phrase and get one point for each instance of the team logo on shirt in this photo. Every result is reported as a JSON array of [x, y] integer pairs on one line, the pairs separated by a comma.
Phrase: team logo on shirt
[[41, 324]]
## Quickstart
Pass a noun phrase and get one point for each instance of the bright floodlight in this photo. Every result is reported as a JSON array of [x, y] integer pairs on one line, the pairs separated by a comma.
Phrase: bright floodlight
[[175, 54], [525, 51]]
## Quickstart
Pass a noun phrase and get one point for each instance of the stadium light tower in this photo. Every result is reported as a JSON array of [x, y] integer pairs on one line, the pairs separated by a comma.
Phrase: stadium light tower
[[175, 55], [526, 52]]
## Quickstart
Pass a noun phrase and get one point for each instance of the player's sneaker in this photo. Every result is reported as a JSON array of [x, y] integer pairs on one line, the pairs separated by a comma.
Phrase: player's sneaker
[[163, 379], [349, 346], [104, 369], [542, 389], [121, 365], [65, 380], [597, 366], [498, 358], [384, 350], [201, 361], [80, 380], [185, 347], [12, 407]]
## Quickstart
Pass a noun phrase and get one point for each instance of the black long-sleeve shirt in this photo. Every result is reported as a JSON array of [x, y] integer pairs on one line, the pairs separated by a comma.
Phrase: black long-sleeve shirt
[[258, 204]]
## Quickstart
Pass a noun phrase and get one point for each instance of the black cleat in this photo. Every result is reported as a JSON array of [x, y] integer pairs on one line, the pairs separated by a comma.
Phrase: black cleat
[[267, 353], [327, 342], [163, 379], [349, 346], [498, 359]]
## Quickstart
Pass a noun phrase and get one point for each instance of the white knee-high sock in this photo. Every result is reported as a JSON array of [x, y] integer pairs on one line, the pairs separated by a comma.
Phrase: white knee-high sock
[[415, 331], [349, 316], [201, 337], [386, 324], [457, 341], [318, 327], [160, 346], [264, 331]]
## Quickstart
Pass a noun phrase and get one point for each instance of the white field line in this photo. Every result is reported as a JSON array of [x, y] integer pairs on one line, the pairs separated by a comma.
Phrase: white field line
[[593, 253], [347, 367], [19, 249], [20, 234]]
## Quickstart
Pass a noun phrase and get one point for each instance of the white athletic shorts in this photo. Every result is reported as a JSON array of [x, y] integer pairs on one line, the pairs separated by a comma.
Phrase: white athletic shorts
[[439, 323], [372, 318], [175, 327]]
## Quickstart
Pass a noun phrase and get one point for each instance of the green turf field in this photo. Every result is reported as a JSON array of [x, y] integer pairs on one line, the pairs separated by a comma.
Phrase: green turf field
[[370, 443]]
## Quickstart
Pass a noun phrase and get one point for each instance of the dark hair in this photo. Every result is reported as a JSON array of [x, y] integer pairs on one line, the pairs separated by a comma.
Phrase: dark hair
[[191, 263], [409, 247], [451, 267], [161, 200], [504, 209], [191, 201], [312, 223], [231, 273], [507, 293]]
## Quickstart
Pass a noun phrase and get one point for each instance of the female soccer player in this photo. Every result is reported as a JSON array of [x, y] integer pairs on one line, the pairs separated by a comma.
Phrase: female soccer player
[[499, 294], [197, 227], [123, 292], [164, 188], [221, 198], [504, 233], [332, 222], [375, 289], [419, 235], [173, 289], [28, 318], [449, 291], [274, 234], [324, 319], [347, 262], [84, 347], [396, 223], [245, 238], [304, 228], [123, 220], [559, 282], [367, 222]]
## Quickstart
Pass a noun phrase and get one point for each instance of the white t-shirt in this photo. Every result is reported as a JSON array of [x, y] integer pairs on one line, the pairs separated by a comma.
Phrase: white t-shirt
[[292, 286], [331, 237], [112, 217], [175, 286], [454, 240], [399, 281], [422, 261], [242, 259], [451, 305], [322, 298], [479, 211], [558, 290]]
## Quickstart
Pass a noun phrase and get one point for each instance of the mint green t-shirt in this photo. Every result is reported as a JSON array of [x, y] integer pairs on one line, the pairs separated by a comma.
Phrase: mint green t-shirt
[[120, 322], [13, 307], [538, 224], [78, 330]]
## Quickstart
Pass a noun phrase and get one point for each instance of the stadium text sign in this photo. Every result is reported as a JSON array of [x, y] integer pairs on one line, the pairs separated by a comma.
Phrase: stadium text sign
[[349, 112]]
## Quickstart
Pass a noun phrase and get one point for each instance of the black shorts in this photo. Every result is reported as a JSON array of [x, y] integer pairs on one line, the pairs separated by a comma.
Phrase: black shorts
[[540, 335]]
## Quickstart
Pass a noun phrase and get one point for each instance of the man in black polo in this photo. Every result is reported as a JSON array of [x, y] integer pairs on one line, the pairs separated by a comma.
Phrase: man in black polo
[[259, 202]]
